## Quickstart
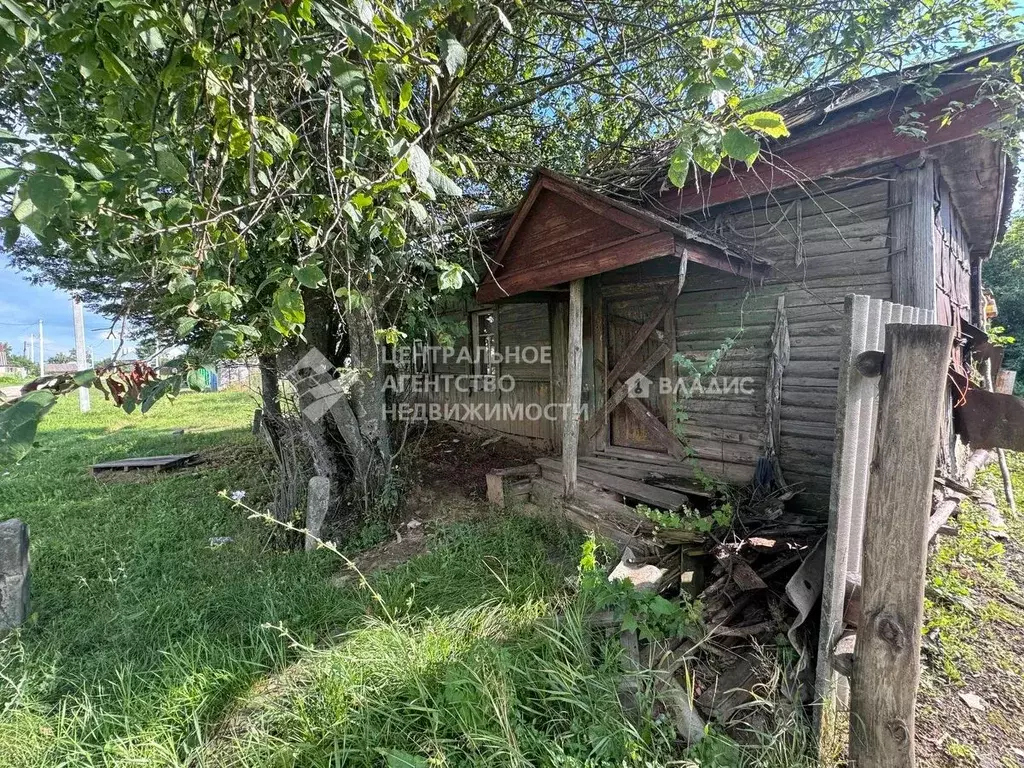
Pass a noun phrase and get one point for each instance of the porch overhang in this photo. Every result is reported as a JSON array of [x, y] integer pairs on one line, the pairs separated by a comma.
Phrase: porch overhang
[[563, 231]]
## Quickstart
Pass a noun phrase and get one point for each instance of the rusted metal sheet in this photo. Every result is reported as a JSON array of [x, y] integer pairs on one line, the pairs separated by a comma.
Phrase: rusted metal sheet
[[991, 420]]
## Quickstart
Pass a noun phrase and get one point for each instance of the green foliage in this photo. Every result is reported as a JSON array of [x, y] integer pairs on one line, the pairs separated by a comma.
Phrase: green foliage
[[209, 169], [1003, 274], [18, 423], [689, 520], [650, 615], [966, 575]]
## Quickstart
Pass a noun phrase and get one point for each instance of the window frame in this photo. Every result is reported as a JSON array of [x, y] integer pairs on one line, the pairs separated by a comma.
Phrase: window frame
[[481, 368]]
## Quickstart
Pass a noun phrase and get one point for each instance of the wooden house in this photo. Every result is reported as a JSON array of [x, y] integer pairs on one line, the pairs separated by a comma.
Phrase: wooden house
[[741, 277]]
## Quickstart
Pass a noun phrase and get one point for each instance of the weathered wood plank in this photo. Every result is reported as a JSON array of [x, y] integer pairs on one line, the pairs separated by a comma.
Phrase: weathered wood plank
[[913, 237], [573, 388], [886, 674], [648, 494]]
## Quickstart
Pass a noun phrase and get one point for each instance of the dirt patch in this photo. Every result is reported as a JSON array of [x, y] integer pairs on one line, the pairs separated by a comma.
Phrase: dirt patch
[[447, 460], [446, 484]]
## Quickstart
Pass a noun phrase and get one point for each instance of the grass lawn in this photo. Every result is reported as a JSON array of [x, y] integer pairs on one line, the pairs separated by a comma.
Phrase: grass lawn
[[149, 647]]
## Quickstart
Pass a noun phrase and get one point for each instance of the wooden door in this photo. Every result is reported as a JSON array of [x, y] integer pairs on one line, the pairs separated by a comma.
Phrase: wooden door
[[628, 426]]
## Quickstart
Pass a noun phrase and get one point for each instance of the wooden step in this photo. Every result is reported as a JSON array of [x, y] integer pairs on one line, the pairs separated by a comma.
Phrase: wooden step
[[648, 494], [670, 475]]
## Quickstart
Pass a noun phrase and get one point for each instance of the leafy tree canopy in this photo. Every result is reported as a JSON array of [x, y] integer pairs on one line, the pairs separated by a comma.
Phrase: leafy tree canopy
[[212, 166], [1003, 274]]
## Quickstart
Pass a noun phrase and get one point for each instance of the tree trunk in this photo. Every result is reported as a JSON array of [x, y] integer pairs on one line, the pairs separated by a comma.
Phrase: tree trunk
[[270, 391], [343, 420]]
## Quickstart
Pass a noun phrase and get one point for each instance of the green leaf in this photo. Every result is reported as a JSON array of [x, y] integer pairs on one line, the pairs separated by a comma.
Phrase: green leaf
[[707, 157], [154, 40], [17, 11], [177, 208], [26, 212], [7, 137], [84, 378], [88, 63], [8, 178], [629, 623], [224, 341], [46, 161], [679, 163], [19, 422], [443, 184], [399, 759], [365, 11], [740, 146], [170, 167], [288, 310], [405, 97], [309, 276], [115, 67], [48, 192], [419, 164], [185, 326], [418, 211], [769, 123], [154, 390], [451, 276], [452, 52], [346, 75]]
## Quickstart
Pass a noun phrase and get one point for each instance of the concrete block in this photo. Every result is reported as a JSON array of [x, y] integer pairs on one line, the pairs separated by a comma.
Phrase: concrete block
[[14, 574], [318, 501]]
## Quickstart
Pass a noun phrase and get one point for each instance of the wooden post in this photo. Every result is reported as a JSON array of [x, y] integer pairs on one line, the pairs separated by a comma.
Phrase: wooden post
[[912, 227], [81, 359], [885, 673], [573, 388], [559, 319]]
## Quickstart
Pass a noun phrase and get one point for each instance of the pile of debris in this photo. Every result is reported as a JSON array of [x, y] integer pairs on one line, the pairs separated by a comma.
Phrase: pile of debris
[[757, 575]]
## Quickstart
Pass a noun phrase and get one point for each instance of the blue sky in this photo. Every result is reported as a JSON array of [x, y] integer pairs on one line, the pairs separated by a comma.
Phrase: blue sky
[[22, 305]]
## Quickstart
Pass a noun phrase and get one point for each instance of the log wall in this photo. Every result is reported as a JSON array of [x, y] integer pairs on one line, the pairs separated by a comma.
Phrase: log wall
[[822, 247], [520, 325], [952, 262]]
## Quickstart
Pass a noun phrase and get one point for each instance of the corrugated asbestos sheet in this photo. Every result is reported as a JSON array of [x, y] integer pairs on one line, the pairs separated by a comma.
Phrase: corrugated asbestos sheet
[[856, 416]]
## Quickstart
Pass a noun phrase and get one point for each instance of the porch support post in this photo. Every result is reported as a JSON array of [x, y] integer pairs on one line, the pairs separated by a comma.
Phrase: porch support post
[[573, 388], [912, 226]]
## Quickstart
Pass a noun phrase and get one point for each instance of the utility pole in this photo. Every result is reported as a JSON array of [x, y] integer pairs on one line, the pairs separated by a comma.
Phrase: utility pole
[[42, 364], [80, 360]]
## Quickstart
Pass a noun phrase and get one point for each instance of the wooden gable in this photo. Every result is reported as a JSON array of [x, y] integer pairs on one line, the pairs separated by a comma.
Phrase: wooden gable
[[563, 232]]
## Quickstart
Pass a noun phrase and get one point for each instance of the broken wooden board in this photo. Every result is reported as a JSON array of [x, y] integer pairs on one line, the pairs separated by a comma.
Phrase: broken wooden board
[[161, 463], [501, 486], [593, 511], [731, 690], [648, 494]]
